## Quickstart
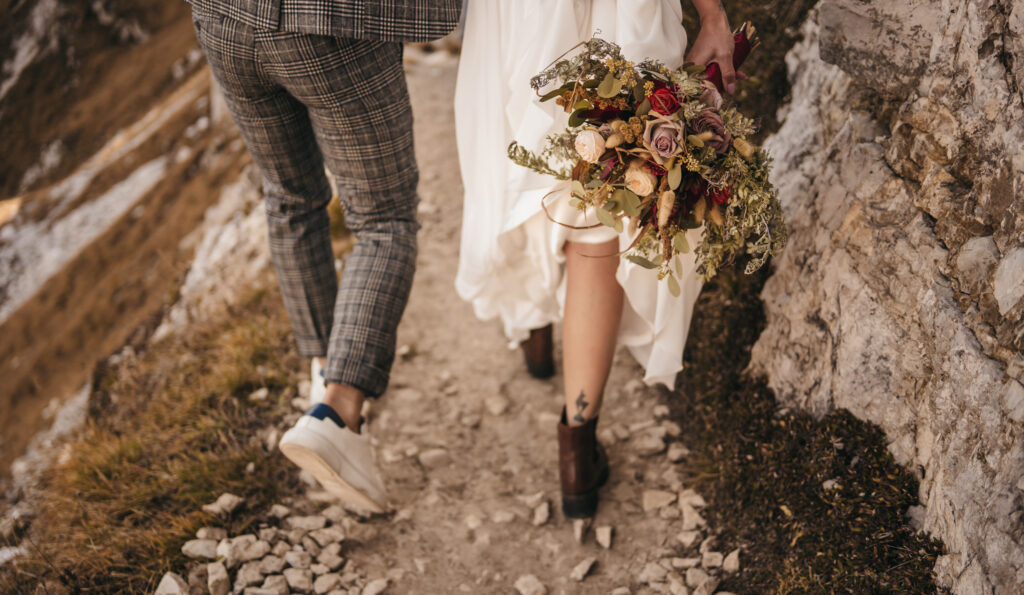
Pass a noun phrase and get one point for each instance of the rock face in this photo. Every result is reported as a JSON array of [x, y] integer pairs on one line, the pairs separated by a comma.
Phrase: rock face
[[901, 294]]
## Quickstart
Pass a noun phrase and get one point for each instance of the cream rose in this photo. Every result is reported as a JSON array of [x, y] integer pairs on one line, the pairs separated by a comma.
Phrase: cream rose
[[640, 181], [590, 145]]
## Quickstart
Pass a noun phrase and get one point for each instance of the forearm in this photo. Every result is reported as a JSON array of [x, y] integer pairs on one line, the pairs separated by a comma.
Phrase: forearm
[[709, 9]]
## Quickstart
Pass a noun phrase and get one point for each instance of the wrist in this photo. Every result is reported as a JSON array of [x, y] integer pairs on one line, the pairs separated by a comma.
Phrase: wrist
[[714, 16]]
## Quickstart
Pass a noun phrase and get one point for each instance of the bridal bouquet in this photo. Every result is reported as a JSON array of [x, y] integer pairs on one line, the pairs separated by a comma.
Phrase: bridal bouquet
[[657, 148]]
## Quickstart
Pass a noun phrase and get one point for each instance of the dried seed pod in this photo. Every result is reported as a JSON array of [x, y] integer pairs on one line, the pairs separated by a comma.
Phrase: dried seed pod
[[746, 149], [665, 203], [616, 125], [614, 139], [699, 209]]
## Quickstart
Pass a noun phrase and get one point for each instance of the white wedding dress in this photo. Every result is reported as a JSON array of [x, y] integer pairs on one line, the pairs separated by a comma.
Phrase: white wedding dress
[[510, 261]]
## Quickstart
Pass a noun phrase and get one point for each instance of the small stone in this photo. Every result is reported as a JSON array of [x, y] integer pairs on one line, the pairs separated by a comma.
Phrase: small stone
[[171, 584], [581, 570], [269, 534], [692, 498], [604, 536], [332, 534], [711, 559], [707, 587], [298, 559], [676, 586], [299, 579], [200, 548], [421, 565], [531, 500], [708, 544], [274, 585], [672, 429], [696, 577], [406, 351], [197, 578], [660, 411], [272, 564], [311, 546], [688, 538], [541, 513], [473, 522], [306, 523], [529, 584], [260, 394], [684, 563], [649, 445], [319, 569], [732, 561], [375, 587], [279, 511], [496, 404], [214, 533], [829, 484], [248, 575], [281, 548], [331, 556], [503, 516], [579, 529], [217, 580], [669, 512], [677, 452], [655, 499], [326, 583], [652, 572], [691, 518], [434, 458], [225, 504], [620, 591]]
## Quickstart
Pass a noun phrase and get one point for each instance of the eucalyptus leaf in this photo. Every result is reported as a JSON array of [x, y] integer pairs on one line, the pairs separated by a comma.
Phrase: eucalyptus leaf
[[680, 243], [583, 104], [618, 225], [577, 118], [555, 93], [612, 206], [641, 261], [638, 93], [609, 87], [594, 184], [575, 203], [630, 202], [673, 285], [643, 108], [577, 188], [675, 176], [605, 217]]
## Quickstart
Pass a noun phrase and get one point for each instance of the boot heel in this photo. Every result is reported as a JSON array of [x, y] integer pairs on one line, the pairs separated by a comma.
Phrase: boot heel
[[580, 506]]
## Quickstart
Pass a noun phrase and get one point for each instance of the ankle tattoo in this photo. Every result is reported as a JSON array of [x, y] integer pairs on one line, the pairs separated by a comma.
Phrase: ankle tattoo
[[581, 404]]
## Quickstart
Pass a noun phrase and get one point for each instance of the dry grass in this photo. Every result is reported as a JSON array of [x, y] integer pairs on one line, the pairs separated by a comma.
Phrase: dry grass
[[168, 432]]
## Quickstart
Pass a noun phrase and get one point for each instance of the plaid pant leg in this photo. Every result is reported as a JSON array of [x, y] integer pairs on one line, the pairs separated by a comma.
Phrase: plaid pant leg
[[279, 135], [359, 107]]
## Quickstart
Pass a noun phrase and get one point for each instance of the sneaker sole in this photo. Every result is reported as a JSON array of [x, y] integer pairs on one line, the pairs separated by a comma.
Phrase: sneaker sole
[[307, 458]]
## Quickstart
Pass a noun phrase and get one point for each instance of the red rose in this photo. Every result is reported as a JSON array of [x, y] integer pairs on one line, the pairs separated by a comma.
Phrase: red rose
[[663, 101]]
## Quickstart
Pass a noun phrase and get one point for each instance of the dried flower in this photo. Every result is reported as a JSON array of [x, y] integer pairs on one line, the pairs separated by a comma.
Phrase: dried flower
[[640, 181], [709, 121], [663, 138], [590, 145]]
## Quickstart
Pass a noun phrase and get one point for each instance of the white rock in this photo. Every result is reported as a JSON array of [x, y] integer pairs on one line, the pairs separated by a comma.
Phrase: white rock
[[732, 561], [696, 577], [688, 538], [829, 484], [217, 580], [649, 445], [473, 522], [655, 499], [171, 584], [531, 500], [669, 512], [1008, 288], [326, 583], [259, 394], [620, 591], [200, 548], [298, 559], [274, 585], [529, 584], [579, 529], [496, 404], [660, 411], [677, 452], [541, 513], [272, 564], [306, 523], [684, 563], [692, 498], [225, 504], [214, 533], [279, 511], [327, 535], [248, 575], [503, 516], [691, 518], [299, 579], [375, 587], [603, 535], [672, 429], [581, 570], [434, 458], [711, 559], [652, 572]]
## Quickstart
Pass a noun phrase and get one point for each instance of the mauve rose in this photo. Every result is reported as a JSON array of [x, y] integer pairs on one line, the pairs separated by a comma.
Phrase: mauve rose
[[709, 121], [663, 138], [711, 97]]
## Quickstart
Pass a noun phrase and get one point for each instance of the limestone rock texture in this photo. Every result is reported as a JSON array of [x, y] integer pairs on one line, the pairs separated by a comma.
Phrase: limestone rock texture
[[901, 294]]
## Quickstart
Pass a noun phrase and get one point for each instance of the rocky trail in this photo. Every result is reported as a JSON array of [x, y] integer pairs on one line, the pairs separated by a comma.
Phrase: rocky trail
[[467, 447]]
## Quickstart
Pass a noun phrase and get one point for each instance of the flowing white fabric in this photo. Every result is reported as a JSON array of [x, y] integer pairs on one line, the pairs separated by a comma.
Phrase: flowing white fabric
[[510, 261]]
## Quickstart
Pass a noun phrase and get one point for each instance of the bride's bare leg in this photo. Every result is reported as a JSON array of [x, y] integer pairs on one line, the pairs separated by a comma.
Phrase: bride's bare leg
[[593, 308]]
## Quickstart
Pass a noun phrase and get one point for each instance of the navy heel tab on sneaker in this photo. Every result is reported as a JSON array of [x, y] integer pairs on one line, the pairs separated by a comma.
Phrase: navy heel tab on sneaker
[[321, 411]]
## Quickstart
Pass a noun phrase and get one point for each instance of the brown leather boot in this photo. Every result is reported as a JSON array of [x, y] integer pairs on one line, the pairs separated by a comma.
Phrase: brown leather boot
[[582, 467], [537, 351]]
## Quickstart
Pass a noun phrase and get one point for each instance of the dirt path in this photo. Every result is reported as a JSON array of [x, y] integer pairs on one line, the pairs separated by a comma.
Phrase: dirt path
[[467, 438]]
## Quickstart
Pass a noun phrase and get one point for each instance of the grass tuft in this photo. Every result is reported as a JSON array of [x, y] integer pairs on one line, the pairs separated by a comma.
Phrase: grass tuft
[[168, 431]]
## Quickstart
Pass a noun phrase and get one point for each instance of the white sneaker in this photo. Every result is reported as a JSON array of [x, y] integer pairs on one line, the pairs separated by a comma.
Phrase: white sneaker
[[341, 460], [318, 386]]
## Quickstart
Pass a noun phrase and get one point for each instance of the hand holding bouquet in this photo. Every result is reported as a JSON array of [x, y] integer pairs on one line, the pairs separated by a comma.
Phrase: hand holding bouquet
[[656, 148]]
